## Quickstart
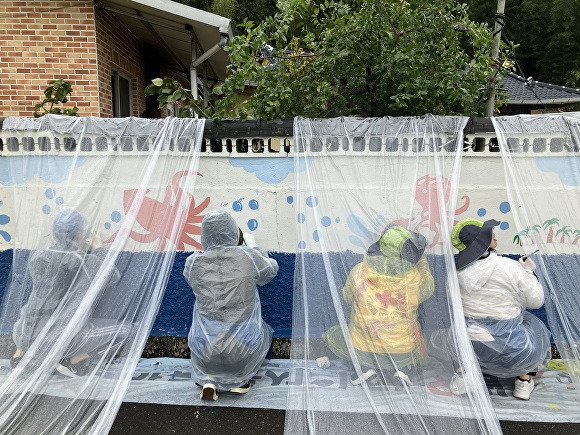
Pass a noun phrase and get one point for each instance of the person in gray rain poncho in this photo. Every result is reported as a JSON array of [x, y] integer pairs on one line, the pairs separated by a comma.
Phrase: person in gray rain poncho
[[496, 291], [228, 338], [61, 276]]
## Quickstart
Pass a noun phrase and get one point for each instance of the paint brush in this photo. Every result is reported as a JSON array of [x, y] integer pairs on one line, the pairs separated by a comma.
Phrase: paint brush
[[525, 257]]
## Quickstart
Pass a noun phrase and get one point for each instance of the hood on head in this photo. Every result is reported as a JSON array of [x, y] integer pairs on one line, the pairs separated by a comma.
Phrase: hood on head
[[218, 229]]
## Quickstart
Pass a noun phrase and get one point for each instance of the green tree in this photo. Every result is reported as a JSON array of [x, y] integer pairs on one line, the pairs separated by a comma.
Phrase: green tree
[[358, 57], [546, 34]]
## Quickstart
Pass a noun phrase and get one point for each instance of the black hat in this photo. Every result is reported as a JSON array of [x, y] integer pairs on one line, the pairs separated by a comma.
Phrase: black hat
[[399, 242], [472, 237]]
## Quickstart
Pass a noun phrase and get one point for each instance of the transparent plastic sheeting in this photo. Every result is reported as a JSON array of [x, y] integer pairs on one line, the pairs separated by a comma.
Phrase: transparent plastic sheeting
[[376, 296], [544, 191], [80, 285]]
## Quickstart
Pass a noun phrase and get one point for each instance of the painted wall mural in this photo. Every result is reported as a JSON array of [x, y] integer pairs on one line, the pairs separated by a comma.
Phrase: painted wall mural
[[153, 216]]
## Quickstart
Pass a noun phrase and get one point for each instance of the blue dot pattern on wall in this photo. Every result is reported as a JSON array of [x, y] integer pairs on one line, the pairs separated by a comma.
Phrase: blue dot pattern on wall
[[253, 204], [302, 245], [116, 216], [325, 221], [49, 193], [504, 225], [252, 224], [59, 201], [1, 203], [4, 219], [337, 220], [312, 201], [290, 199], [505, 207], [46, 209], [107, 225], [481, 212], [300, 217], [316, 235], [237, 205]]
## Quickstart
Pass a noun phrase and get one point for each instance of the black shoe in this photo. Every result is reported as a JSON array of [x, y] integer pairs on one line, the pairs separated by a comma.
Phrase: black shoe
[[14, 361], [66, 368]]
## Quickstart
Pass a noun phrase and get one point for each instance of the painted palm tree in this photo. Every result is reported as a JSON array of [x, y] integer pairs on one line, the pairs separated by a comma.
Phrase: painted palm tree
[[519, 237], [550, 223], [565, 231], [576, 237]]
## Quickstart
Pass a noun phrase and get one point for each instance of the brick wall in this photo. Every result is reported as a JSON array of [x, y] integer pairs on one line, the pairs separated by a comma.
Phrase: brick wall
[[118, 50], [41, 41]]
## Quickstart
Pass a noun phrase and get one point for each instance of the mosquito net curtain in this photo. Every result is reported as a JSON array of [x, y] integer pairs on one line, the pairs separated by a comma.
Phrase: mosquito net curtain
[[375, 281], [81, 287], [541, 155]]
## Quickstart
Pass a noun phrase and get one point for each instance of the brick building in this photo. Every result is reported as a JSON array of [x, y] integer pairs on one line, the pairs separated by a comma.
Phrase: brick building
[[108, 49]]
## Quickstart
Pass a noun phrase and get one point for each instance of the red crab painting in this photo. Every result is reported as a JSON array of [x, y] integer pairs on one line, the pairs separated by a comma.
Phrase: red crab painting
[[426, 195], [157, 217]]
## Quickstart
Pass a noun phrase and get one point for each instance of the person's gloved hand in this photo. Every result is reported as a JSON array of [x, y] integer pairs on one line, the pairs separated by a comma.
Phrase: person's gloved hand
[[250, 240], [528, 264]]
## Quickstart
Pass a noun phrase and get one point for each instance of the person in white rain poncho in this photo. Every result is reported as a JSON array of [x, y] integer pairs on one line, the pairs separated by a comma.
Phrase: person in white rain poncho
[[228, 338], [496, 291], [61, 276]]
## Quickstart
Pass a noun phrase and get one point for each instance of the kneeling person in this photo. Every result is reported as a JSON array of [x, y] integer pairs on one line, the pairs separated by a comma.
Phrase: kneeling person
[[228, 338]]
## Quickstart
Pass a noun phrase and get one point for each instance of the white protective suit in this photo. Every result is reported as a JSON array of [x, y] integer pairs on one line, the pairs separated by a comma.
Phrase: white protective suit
[[228, 338], [61, 276], [508, 340]]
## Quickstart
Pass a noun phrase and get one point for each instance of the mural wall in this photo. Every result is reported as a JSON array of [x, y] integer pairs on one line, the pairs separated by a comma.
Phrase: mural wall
[[258, 190]]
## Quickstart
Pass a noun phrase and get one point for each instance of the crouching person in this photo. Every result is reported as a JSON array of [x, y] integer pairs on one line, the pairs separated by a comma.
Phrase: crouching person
[[228, 338]]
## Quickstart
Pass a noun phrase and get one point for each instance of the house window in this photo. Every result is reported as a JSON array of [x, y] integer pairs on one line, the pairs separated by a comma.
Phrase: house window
[[121, 95]]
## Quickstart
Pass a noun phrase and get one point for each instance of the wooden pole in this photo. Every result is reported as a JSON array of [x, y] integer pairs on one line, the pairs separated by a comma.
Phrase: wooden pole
[[490, 103]]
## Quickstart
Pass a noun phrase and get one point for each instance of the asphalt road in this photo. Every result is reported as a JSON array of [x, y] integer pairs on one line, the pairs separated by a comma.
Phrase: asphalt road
[[148, 419]]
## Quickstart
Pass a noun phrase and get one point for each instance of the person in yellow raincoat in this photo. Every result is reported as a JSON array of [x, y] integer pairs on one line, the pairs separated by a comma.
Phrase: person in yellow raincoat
[[384, 292]]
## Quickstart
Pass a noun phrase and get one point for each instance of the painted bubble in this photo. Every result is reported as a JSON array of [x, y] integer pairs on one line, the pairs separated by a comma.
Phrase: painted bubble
[[237, 206], [316, 235], [504, 225], [107, 225], [290, 199], [312, 201], [49, 193], [5, 236], [325, 221], [301, 218], [59, 201], [116, 216], [4, 219], [481, 212], [253, 204], [302, 245], [252, 224], [46, 209], [337, 220], [505, 207]]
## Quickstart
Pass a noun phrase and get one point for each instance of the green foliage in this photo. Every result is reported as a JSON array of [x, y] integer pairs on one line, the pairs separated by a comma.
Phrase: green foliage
[[56, 93], [225, 8], [546, 36], [170, 91], [358, 58]]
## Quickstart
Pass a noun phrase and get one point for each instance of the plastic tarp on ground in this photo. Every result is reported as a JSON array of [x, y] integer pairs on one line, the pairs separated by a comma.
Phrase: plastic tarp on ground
[[81, 303], [544, 193], [374, 284]]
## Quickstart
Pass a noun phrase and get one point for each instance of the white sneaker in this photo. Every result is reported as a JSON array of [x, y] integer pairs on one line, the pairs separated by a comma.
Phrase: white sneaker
[[208, 392], [242, 390], [370, 375], [458, 386], [523, 389]]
